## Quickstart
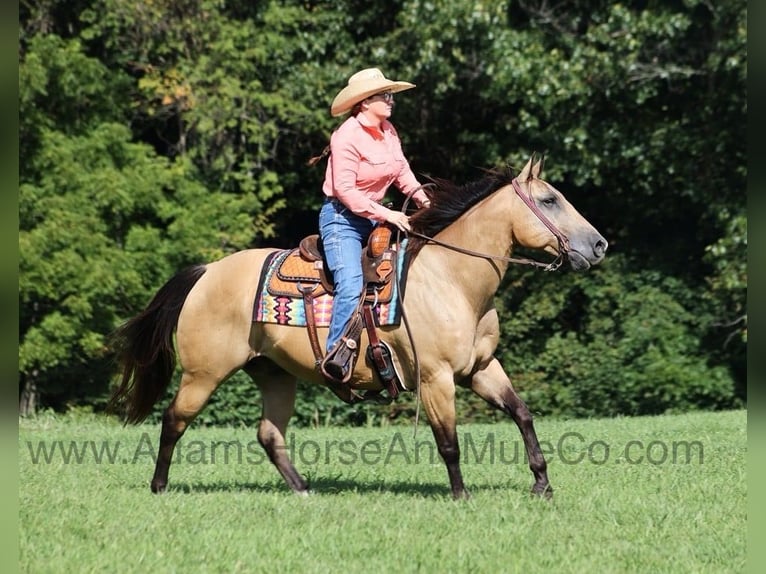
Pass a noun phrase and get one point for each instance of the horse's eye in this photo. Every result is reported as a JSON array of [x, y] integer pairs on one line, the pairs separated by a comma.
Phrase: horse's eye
[[549, 201]]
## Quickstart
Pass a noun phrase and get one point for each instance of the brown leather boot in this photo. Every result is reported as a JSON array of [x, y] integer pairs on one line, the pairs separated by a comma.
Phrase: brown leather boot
[[339, 362]]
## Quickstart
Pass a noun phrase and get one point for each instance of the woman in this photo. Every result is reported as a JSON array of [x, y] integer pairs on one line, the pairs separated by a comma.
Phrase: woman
[[365, 159]]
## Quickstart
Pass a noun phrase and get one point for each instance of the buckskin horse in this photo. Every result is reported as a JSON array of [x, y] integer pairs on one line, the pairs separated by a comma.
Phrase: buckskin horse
[[459, 250]]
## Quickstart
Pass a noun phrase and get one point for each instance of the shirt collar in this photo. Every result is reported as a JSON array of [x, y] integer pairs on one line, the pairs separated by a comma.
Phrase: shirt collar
[[374, 130]]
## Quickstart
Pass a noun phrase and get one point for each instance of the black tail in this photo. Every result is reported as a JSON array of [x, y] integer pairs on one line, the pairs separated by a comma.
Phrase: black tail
[[145, 350]]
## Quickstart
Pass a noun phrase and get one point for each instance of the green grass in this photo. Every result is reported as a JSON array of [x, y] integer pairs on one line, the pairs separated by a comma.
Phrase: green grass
[[381, 502]]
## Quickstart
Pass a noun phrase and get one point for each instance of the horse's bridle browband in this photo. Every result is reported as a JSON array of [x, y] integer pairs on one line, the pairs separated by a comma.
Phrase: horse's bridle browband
[[564, 247]]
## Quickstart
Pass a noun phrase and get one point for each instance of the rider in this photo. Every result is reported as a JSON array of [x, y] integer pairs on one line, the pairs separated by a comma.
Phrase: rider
[[365, 159]]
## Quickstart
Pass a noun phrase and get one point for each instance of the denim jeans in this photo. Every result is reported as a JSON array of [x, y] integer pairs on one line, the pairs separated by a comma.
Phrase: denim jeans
[[343, 235]]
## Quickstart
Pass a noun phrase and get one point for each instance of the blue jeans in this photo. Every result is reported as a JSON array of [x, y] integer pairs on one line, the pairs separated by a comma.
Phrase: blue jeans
[[343, 235]]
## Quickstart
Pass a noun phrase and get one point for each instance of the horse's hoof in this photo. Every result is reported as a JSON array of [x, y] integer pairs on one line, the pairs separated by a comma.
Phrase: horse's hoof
[[461, 495], [544, 491], [158, 487]]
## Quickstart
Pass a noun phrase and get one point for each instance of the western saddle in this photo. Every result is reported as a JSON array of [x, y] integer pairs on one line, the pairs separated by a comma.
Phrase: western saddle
[[303, 274]]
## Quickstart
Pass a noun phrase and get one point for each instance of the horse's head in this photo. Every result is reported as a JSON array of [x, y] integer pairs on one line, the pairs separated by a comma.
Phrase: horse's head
[[552, 224]]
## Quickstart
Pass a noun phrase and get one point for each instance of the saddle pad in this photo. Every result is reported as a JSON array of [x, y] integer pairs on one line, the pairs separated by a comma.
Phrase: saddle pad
[[288, 309]]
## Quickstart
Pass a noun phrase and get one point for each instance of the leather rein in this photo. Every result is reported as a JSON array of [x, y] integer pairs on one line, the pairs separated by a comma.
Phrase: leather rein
[[562, 239]]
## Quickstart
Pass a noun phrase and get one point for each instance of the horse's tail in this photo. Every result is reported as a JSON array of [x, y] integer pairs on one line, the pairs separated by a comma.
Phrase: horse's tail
[[145, 350]]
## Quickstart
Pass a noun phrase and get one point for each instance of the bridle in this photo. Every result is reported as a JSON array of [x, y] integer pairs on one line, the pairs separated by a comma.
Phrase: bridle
[[563, 240], [564, 247]]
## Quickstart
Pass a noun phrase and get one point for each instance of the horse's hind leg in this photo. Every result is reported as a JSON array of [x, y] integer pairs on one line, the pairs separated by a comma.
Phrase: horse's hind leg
[[278, 392], [494, 386], [192, 396]]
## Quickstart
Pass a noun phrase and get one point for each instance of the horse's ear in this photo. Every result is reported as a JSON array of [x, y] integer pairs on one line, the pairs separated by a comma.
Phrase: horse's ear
[[538, 167], [524, 175]]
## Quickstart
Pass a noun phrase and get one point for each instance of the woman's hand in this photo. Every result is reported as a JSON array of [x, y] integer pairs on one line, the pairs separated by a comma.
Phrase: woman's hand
[[399, 219]]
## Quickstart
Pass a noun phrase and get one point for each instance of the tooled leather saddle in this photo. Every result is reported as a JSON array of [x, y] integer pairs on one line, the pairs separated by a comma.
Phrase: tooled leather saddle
[[303, 274], [304, 268]]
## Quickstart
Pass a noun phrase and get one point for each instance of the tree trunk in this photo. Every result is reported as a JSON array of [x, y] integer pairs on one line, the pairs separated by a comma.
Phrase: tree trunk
[[28, 398]]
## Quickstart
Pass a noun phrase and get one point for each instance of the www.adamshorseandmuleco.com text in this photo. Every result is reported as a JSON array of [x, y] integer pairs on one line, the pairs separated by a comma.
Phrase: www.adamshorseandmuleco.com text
[[398, 448]]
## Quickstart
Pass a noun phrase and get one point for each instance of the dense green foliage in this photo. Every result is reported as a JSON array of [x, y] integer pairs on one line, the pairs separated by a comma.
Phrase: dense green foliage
[[160, 133], [669, 495]]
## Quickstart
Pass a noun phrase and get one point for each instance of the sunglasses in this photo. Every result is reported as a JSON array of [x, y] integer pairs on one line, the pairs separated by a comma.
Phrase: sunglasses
[[387, 97]]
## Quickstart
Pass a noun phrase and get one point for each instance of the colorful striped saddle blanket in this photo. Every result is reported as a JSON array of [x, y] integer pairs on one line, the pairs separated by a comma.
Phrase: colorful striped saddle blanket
[[279, 299]]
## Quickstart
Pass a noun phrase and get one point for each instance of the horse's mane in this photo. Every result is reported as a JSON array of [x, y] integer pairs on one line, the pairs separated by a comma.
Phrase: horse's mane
[[449, 201]]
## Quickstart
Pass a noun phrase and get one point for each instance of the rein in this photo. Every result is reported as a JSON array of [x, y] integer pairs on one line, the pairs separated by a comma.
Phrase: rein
[[562, 239], [555, 264]]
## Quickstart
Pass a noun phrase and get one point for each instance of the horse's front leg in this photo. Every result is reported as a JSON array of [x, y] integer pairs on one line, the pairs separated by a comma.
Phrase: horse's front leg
[[439, 402], [494, 386]]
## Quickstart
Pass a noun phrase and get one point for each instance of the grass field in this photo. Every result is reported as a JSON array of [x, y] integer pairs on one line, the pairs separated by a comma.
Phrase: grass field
[[659, 494]]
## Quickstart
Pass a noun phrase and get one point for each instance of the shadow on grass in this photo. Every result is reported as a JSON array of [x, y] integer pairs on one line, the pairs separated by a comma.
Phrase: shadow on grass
[[334, 486]]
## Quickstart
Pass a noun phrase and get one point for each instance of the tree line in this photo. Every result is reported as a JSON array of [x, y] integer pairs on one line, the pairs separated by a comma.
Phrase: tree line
[[155, 134]]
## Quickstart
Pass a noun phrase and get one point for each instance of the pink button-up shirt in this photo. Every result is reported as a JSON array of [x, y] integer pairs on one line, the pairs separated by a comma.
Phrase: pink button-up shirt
[[364, 161]]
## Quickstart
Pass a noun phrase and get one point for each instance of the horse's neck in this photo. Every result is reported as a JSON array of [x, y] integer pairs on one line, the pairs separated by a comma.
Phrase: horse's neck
[[485, 228]]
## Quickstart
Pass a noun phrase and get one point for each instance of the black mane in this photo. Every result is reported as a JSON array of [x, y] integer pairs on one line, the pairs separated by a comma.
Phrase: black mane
[[449, 201]]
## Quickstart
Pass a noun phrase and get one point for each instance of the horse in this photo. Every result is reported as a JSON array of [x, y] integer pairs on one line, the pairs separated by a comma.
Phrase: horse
[[460, 248]]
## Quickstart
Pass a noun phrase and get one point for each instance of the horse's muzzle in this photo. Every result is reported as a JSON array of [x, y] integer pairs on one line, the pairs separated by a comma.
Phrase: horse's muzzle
[[580, 260], [599, 249]]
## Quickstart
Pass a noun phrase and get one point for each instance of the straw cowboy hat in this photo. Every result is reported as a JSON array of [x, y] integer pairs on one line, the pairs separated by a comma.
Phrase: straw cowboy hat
[[362, 85]]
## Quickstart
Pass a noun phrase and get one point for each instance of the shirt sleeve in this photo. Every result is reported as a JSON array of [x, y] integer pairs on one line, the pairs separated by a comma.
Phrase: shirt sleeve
[[345, 158], [406, 181]]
